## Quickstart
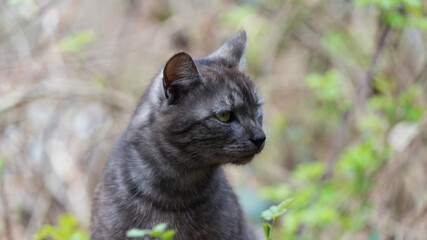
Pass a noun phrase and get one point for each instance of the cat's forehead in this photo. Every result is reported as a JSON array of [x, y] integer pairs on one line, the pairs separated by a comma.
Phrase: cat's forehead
[[231, 86]]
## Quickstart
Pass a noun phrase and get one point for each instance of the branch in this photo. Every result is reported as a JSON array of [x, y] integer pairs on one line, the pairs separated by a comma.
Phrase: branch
[[358, 100]]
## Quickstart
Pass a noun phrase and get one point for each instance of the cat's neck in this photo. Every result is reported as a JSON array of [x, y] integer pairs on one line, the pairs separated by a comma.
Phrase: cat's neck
[[170, 186]]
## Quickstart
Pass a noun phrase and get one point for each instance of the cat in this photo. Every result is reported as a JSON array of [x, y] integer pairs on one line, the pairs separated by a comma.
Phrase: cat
[[196, 115]]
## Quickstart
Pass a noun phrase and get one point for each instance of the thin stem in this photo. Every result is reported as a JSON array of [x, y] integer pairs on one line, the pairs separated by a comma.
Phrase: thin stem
[[272, 227]]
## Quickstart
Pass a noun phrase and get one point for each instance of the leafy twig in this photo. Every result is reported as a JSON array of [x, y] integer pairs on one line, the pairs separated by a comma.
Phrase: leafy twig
[[271, 214]]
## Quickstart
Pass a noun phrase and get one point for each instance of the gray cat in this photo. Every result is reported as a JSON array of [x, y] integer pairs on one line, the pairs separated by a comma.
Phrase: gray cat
[[196, 115]]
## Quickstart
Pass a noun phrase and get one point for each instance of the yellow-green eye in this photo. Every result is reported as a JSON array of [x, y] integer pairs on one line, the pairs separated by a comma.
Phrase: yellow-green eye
[[223, 116], [255, 109]]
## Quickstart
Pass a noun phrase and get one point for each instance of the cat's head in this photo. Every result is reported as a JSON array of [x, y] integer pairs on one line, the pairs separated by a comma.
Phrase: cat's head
[[208, 109]]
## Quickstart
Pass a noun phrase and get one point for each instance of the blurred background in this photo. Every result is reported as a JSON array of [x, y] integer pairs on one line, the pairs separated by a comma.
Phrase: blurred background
[[343, 81]]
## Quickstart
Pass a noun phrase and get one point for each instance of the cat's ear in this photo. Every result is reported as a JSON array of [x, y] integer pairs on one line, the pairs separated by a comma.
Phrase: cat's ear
[[179, 75], [232, 52]]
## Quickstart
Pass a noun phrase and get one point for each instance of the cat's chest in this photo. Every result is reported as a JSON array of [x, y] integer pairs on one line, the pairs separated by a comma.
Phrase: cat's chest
[[203, 226], [211, 220]]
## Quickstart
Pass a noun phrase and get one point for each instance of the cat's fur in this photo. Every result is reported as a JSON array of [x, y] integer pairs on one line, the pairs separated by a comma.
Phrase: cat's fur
[[166, 167]]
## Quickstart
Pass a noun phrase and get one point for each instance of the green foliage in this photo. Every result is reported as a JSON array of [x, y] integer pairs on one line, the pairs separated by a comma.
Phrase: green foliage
[[399, 13], [326, 92], [158, 232], [276, 193], [66, 230], [408, 108], [76, 42], [405, 106], [309, 171], [357, 163], [325, 87], [341, 201]]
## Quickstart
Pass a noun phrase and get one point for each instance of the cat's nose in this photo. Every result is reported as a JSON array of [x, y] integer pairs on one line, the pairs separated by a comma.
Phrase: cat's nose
[[259, 140]]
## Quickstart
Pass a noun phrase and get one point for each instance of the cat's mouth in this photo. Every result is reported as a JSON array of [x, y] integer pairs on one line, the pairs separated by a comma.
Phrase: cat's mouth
[[242, 154], [260, 148], [243, 159], [246, 157]]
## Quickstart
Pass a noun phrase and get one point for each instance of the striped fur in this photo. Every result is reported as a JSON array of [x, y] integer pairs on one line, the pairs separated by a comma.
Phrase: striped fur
[[166, 167]]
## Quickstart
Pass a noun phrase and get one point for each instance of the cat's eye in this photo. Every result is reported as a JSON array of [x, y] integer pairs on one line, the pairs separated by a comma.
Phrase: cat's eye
[[255, 109], [223, 116]]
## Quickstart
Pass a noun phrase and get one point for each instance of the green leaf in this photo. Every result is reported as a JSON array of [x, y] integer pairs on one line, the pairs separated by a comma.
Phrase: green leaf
[[158, 229], [66, 229], [168, 234], [134, 233], [267, 230], [45, 231], [276, 210], [66, 221]]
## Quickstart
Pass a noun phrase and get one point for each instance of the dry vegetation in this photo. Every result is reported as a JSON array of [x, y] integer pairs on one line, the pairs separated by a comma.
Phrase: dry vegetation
[[71, 73]]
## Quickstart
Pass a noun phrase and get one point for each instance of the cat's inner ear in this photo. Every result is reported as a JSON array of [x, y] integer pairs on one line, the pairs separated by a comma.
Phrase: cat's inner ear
[[232, 52], [179, 75]]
